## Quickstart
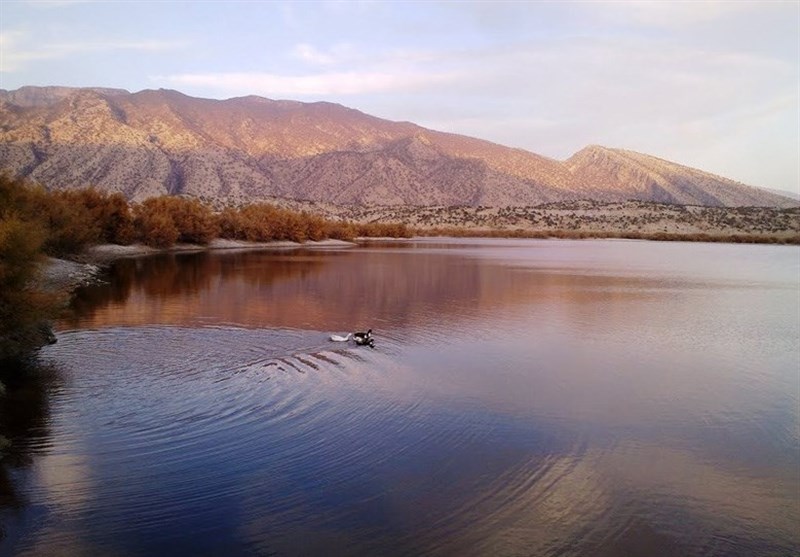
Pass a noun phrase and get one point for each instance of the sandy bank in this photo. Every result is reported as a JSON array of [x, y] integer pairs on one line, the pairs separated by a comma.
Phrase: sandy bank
[[66, 275], [105, 253]]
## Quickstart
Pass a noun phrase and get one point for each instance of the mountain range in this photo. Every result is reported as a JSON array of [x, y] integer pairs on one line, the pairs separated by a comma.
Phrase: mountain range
[[251, 148]]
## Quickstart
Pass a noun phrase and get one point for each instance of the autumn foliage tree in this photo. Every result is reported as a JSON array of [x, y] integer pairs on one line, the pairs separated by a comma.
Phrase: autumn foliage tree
[[69, 225], [109, 212], [163, 221], [262, 222], [383, 229], [24, 307]]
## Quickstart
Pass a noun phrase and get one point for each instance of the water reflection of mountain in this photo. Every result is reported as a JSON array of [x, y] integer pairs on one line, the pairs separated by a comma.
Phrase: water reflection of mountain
[[327, 291]]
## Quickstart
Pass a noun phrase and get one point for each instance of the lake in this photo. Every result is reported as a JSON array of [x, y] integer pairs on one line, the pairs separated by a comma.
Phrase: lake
[[524, 397]]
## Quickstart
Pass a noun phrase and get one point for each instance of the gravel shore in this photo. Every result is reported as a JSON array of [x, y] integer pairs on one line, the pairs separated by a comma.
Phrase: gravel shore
[[61, 275]]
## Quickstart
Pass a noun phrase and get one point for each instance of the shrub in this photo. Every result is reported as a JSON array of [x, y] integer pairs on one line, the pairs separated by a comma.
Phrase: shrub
[[67, 224], [253, 223], [162, 221], [230, 224], [70, 224], [110, 214], [195, 221], [24, 309], [383, 229], [262, 222], [154, 227], [341, 230], [316, 227]]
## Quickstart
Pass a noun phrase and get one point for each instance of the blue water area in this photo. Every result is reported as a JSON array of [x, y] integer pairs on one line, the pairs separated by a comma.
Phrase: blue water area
[[523, 398]]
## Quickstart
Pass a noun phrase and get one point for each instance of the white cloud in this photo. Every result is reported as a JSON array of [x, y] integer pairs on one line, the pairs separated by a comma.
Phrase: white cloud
[[676, 14], [307, 53], [324, 84], [605, 85], [702, 81], [342, 53], [716, 109], [18, 49], [361, 58]]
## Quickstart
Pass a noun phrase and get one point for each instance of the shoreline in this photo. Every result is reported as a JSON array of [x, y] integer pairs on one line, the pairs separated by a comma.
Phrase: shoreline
[[66, 275], [106, 253], [82, 269], [63, 277], [792, 238]]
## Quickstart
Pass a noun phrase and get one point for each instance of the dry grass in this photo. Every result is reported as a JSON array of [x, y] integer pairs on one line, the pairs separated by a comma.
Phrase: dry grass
[[456, 232], [592, 219]]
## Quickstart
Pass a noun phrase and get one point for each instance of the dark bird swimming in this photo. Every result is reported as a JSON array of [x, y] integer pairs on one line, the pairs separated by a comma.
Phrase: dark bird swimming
[[364, 339]]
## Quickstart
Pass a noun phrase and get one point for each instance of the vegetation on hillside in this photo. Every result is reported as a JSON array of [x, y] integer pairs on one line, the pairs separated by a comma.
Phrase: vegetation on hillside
[[592, 219], [742, 238]]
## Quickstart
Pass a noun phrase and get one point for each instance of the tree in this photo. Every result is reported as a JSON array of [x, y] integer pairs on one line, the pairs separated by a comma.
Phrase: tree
[[162, 221], [154, 225], [24, 308], [109, 212]]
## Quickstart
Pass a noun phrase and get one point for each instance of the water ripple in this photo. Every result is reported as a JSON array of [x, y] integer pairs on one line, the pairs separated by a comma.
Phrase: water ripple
[[524, 406], [248, 398]]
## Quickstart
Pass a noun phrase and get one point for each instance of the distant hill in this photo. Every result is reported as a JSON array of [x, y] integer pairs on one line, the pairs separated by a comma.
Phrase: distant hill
[[250, 148]]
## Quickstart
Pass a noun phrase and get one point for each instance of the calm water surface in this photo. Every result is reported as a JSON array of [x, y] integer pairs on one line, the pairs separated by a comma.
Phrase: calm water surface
[[524, 398]]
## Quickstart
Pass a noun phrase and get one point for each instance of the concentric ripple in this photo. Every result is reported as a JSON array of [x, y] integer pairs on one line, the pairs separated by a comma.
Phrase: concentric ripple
[[261, 438], [537, 398]]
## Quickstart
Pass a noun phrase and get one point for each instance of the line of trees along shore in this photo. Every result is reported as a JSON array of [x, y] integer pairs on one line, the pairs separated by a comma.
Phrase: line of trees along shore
[[35, 223], [72, 219]]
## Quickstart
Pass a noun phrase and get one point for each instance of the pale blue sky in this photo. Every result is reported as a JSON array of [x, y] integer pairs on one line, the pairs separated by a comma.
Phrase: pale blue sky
[[714, 85]]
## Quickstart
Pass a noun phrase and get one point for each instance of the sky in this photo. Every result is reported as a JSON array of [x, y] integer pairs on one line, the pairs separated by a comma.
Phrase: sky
[[712, 85]]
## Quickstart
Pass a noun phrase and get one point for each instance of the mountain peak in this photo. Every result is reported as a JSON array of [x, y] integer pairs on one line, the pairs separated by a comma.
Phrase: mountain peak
[[252, 148], [35, 96]]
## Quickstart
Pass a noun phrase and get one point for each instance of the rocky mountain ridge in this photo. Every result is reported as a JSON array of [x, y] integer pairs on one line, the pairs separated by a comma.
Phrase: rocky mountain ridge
[[251, 148]]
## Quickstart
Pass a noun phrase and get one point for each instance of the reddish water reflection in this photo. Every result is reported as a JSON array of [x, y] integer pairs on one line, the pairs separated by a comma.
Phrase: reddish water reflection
[[538, 398], [334, 290]]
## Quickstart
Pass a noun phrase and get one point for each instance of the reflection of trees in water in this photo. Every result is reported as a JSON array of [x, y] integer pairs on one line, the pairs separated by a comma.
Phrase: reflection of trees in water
[[24, 419], [261, 270], [174, 273], [330, 290], [171, 277], [115, 289]]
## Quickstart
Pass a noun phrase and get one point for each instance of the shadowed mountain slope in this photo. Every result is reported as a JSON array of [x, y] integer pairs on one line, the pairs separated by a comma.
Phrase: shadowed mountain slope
[[250, 148]]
